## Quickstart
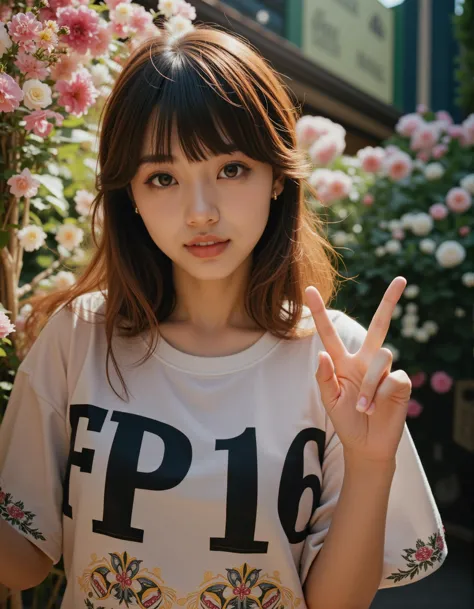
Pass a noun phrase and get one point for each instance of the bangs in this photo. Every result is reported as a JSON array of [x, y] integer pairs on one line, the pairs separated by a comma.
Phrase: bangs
[[210, 117]]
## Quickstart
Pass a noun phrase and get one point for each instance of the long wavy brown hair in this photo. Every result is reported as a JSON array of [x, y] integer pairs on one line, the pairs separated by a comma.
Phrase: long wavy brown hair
[[221, 94]]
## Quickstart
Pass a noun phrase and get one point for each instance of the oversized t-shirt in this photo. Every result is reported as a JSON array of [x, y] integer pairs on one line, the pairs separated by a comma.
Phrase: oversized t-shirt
[[213, 486]]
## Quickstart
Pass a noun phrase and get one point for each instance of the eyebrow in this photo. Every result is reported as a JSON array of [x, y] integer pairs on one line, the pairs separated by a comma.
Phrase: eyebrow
[[163, 158]]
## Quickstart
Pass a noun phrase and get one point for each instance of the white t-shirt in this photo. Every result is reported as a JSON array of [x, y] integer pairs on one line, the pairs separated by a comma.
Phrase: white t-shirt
[[214, 484]]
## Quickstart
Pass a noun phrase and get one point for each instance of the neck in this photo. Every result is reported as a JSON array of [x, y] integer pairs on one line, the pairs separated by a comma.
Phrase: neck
[[212, 306]]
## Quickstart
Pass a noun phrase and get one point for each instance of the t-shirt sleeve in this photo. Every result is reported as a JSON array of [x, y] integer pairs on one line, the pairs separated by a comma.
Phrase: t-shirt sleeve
[[414, 536], [34, 442]]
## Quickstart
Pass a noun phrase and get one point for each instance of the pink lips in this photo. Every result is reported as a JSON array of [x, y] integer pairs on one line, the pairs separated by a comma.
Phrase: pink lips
[[207, 251]]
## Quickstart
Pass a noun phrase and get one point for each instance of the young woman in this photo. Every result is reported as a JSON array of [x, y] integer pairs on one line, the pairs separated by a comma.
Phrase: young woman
[[243, 451]]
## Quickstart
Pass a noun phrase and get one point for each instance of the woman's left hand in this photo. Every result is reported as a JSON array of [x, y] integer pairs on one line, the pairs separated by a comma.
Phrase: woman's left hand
[[345, 378]]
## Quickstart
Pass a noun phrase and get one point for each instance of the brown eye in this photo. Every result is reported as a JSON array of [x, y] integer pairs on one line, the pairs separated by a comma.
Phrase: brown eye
[[160, 180], [232, 170]]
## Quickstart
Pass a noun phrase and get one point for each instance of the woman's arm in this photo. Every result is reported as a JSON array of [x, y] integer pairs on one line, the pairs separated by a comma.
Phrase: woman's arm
[[347, 572], [22, 565]]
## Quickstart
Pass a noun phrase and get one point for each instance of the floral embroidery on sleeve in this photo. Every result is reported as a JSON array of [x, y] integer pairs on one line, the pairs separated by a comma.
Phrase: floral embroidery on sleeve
[[423, 557], [15, 513]]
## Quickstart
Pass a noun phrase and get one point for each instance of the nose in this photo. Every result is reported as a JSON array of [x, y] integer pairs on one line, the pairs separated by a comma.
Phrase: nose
[[201, 209]]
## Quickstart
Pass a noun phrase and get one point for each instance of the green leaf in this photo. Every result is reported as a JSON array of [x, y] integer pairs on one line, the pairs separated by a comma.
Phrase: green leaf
[[3, 353]]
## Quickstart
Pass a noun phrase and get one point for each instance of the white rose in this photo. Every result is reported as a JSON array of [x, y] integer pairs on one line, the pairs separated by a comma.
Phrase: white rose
[[411, 291], [31, 237], [434, 171], [339, 238], [69, 236], [421, 335], [427, 246], [397, 312], [411, 307], [394, 350], [408, 331], [468, 183], [410, 320], [380, 251], [406, 220], [422, 224], [393, 246], [459, 312], [450, 253], [431, 327], [5, 40], [37, 94], [468, 280]]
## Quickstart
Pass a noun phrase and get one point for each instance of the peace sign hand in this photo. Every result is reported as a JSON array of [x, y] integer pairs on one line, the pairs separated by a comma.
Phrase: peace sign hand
[[344, 378]]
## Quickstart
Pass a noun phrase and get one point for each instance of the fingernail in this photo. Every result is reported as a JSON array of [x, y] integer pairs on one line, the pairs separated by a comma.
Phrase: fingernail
[[362, 404], [371, 408]]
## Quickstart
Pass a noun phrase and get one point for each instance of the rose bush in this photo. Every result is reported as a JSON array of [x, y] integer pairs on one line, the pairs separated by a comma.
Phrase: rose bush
[[58, 60]]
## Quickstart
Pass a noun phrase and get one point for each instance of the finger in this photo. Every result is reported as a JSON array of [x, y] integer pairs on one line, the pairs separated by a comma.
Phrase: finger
[[377, 371], [329, 337], [395, 387], [378, 329], [327, 381]]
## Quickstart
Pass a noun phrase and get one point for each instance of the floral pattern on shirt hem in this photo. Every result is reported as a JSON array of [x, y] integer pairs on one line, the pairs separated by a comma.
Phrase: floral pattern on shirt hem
[[14, 512], [421, 558]]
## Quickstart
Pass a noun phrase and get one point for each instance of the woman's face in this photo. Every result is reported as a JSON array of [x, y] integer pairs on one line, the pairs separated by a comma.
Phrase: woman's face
[[224, 198]]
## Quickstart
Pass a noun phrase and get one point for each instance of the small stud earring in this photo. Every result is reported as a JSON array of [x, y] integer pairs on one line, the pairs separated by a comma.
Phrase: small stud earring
[[136, 210], [275, 196]]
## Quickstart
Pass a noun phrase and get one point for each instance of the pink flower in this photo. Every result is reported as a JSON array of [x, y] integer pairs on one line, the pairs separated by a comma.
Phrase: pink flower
[[408, 124], [444, 116], [112, 4], [141, 19], [464, 231], [10, 93], [24, 29], [438, 211], [371, 159], [418, 379], [458, 200], [23, 184], [15, 512], [186, 10], [120, 30], [37, 122], [83, 24], [439, 151], [441, 382], [423, 553], [440, 543], [101, 43], [423, 155], [398, 233], [31, 67], [65, 67], [414, 409], [6, 327], [368, 199], [338, 187], [5, 14], [398, 165], [327, 149], [425, 137], [77, 95]]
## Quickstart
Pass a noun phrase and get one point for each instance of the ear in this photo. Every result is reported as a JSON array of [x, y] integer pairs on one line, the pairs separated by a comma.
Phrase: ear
[[278, 184]]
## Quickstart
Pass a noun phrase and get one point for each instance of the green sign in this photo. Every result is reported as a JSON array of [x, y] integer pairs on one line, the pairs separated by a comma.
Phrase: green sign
[[353, 39]]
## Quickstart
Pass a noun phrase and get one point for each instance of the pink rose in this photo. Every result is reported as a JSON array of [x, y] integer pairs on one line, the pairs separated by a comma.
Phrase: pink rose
[[408, 124], [458, 200], [23, 184], [24, 29], [371, 159], [414, 409], [439, 151], [6, 327], [368, 199], [441, 382], [327, 149], [423, 155], [15, 512], [141, 19], [438, 211], [440, 543], [425, 137], [418, 379], [444, 116], [10, 93], [100, 46], [423, 553], [398, 165], [65, 67], [464, 231], [83, 24]]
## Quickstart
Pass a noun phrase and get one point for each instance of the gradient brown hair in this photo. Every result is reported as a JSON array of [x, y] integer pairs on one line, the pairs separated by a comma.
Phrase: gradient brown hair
[[222, 95]]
